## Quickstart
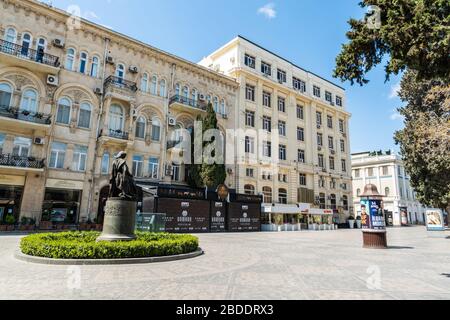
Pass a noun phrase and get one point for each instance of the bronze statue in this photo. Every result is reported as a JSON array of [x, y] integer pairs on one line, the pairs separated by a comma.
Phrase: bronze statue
[[122, 183]]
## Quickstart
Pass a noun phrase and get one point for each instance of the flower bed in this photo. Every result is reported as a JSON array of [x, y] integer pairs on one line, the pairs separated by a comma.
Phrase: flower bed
[[83, 245]]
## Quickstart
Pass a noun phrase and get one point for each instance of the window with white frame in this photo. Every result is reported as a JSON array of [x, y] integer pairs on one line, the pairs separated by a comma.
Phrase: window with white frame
[[332, 167], [330, 122], [63, 112], [116, 118], [267, 99], [175, 172], [266, 68], [83, 62], [156, 129], [267, 123], [344, 165], [298, 84], [319, 139], [282, 128], [84, 118], [321, 161], [341, 126], [250, 92], [302, 179], [79, 158], [300, 134], [216, 104], [250, 172], [316, 91], [249, 145], [328, 96], [70, 59], [22, 146], [2, 141], [223, 107], [140, 127], [94, 66], [301, 156], [338, 101], [283, 152], [267, 149], [319, 118], [267, 194], [300, 112], [11, 35], [250, 61], [120, 71], [29, 100], [249, 118], [138, 164], [105, 163], [281, 104], [144, 82], [331, 143], [342, 146], [154, 86], [162, 88], [57, 155], [153, 167], [282, 196], [26, 43], [5, 95], [281, 76], [249, 189]]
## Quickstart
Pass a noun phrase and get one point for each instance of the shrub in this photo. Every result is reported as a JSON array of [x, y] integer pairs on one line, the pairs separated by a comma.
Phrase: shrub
[[10, 219], [83, 245]]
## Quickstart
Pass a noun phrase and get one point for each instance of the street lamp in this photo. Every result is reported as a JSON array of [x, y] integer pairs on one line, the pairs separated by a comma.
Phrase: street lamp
[[373, 224]]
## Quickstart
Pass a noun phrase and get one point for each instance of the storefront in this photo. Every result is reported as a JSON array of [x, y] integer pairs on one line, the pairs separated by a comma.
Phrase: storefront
[[62, 201], [285, 217], [321, 219], [11, 192]]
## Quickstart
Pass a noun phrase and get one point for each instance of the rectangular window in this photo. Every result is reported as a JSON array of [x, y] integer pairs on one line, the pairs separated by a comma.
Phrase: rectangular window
[[282, 128], [298, 84], [79, 158], [301, 156], [267, 149], [328, 96], [2, 141], [342, 146], [344, 165], [57, 155], [316, 91], [249, 145], [300, 114], [302, 179], [250, 92], [138, 164], [249, 172], [282, 152], [338, 101], [341, 126], [321, 161], [267, 99], [331, 163], [331, 143], [330, 122], [319, 119], [250, 118], [319, 139], [281, 104], [63, 114], [281, 76], [249, 61], [266, 68], [153, 168], [105, 163], [267, 123], [370, 172], [300, 134], [357, 173], [385, 170], [22, 147], [175, 172]]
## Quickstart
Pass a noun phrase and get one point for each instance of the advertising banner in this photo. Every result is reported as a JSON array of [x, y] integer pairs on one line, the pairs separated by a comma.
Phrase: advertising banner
[[404, 215], [372, 217], [185, 216], [244, 217], [218, 216], [435, 220]]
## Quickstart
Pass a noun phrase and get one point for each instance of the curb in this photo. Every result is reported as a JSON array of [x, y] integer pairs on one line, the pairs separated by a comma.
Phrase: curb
[[65, 262]]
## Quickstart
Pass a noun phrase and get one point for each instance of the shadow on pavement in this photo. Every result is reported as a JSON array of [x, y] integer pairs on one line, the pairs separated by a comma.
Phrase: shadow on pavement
[[400, 248]]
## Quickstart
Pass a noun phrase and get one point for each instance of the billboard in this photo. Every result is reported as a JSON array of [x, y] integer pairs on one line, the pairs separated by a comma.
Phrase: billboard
[[372, 217], [218, 216], [244, 217], [435, 220], [404, 215], [185, 216]]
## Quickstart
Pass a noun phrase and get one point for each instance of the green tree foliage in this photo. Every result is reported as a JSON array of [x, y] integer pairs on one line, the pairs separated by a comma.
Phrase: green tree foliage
[[210, 175], [413, 34], [425, 140]]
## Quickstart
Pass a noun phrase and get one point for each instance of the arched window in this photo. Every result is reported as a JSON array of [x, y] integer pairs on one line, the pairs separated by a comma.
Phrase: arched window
[[162, 88], [5, 95], [26, 43], [177, 89], [29, 100], [216, 104], [186, 93], [387, 192], [11, 35], [154, 86], [156, 129], [63, 113], [282, 196], [144, 82], [249, 189], [83, 62], [116, 118], [94, 66], [223, 107], [120, 71], [267, 194], [70, 59], [41, 44], [84, 118], [140, 127]]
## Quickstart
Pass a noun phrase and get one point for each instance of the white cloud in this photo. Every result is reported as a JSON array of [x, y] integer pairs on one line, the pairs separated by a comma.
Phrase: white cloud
[[395, 89], [268, 11], [395, 115]]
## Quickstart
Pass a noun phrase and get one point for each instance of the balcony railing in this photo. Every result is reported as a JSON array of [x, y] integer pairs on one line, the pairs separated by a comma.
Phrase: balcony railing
[[118, 134], [188, 102], [121, 83], [29, 54], [25, 115], [10, 160]]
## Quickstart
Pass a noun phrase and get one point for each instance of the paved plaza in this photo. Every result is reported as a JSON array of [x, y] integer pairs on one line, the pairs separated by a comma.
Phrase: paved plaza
[[295, 265]]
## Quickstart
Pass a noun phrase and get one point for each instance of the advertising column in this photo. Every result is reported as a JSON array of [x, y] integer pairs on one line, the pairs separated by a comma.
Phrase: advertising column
[[372, 219]]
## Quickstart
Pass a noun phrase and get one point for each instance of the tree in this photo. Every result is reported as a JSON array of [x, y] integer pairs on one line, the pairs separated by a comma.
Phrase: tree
[[210, 175], [425, 140], [414, 34]]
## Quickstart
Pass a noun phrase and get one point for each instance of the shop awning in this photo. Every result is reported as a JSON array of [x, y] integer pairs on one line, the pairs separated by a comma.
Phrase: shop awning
[[286, 209]]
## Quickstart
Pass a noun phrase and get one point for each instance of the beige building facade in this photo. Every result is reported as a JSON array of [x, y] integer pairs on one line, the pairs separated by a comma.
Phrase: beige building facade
[[73, 94], [295, 149]]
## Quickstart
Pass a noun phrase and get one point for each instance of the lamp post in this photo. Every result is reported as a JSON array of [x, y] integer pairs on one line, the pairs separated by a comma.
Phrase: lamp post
[[373, 224]]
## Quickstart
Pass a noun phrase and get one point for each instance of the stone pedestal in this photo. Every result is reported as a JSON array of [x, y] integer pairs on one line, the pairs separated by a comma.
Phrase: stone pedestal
[[373, 239], [120, 220]]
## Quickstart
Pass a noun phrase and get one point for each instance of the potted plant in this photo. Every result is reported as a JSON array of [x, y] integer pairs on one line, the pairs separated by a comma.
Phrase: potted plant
[[10, 221], [279, 221], [23, 224], [351, 222], [358, 222]]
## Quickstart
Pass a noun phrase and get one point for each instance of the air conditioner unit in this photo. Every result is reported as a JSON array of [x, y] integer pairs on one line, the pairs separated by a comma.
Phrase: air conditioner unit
[[109, 60], [98, 91], [201, 97], [168, 170], [39, 141], [59, 43], [52, 80], [134, 69], [172, 121]]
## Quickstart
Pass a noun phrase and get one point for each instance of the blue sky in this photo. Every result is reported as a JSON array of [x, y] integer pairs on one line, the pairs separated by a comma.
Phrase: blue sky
[[307, 32]]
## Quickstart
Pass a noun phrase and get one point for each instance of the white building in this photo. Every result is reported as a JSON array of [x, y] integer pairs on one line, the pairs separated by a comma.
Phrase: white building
[[386, 171]]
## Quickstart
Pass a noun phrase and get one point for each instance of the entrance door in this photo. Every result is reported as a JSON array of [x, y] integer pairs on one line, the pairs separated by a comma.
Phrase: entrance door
[[104, 193]]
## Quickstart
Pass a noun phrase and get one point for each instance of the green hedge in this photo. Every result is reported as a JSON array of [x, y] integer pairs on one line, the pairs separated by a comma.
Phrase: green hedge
[[83, 245]]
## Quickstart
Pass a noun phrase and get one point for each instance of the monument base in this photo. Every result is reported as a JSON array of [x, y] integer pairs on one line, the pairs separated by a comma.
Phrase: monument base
[[120, 220], [374, 239]]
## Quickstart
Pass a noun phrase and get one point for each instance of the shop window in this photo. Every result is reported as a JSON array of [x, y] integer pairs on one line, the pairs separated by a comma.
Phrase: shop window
[[61, 206]]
